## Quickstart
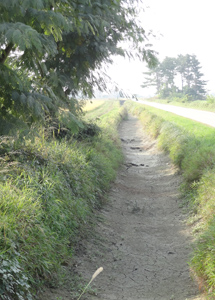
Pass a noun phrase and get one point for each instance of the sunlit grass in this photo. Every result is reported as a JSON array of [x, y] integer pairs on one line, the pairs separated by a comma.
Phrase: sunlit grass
[[191, 146], [101, 110], [92, 104], [49, 192], [197, 104]]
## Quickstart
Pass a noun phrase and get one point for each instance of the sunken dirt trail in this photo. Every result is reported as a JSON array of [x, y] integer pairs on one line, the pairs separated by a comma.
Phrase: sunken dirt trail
[[144, 243]]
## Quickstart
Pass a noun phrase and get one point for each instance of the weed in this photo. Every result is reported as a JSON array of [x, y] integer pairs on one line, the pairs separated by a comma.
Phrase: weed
[[97, 272], [14, 283]]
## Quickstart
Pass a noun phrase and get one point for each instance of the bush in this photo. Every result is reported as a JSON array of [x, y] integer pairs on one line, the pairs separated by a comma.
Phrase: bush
[[210, 99]]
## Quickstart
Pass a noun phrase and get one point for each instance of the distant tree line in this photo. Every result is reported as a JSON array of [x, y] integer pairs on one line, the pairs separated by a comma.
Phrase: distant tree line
[[177, 77]]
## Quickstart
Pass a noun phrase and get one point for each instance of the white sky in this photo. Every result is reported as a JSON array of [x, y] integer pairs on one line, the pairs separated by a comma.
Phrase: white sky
[[186, 26]]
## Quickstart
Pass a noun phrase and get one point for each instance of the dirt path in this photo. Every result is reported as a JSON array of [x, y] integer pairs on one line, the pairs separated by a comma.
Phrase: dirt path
[[144, 245]]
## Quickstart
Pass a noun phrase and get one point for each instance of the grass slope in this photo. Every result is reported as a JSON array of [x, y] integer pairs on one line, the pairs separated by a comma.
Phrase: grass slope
[[207, 105], [191, 146], [49, 190]]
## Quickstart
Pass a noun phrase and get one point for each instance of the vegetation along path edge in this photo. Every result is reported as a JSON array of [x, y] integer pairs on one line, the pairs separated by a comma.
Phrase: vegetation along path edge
[[144, 243]]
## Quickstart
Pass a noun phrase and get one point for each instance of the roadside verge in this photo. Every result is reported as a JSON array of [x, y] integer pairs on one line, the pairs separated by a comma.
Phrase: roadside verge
[[191, 147]]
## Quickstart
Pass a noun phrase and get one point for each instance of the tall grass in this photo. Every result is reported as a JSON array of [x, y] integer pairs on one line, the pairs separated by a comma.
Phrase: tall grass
[[191, 147], [49, 190]]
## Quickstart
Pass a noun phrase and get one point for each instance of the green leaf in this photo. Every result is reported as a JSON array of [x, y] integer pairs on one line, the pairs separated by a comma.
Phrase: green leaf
[[17, 35]]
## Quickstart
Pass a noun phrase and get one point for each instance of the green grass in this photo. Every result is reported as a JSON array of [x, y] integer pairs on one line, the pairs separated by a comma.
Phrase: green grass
[[49, 191], [92, 104], [206, 105], [101, 110], [191, 147]]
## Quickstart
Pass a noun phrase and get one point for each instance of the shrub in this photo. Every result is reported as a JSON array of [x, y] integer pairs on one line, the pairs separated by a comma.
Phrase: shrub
[[210, 99]]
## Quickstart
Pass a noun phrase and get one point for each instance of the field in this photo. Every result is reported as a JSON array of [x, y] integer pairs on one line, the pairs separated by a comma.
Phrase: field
[[92, 104]]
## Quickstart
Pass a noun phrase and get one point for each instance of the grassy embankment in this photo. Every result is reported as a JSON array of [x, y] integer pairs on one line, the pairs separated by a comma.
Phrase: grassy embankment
[[49, 190], [191, 147], [207, 105]]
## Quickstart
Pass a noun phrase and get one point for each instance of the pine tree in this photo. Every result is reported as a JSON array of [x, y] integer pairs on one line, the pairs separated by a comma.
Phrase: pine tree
[[181, 69], [196, 84], [192, 84], [153, 78], [164, 78]]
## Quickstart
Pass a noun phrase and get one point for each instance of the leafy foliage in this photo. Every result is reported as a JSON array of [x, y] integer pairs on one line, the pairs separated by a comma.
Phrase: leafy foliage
[[50, 50], [13, 282]]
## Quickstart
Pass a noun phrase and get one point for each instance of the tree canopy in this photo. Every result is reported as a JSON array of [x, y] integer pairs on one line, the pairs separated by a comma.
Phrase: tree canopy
[[178, 77], [50, 49]]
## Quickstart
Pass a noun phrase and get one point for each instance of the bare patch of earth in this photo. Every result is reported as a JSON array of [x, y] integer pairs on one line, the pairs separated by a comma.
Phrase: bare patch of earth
[[143, 242]]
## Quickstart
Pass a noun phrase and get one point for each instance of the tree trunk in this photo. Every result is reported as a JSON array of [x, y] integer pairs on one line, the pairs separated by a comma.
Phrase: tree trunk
[[182, 83], [5, 53]]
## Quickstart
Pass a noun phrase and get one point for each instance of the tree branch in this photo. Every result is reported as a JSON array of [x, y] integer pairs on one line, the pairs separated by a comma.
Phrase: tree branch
[[5, 53], [67, 92]]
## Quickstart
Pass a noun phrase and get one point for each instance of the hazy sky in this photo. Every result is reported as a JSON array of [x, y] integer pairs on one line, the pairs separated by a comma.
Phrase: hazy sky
[[186, 26]]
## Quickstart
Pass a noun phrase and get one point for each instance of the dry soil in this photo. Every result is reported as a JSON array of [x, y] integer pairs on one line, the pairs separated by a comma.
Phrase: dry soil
[[143, 242]]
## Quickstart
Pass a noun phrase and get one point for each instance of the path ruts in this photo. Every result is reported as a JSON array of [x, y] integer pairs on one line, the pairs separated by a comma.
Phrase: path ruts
[[144, 243]]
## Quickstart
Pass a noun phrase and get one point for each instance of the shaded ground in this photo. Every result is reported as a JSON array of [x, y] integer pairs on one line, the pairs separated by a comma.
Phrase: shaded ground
[[143, 243]]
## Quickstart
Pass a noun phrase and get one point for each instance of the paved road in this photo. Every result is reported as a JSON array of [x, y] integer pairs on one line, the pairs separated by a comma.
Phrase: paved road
[[201, 116]]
